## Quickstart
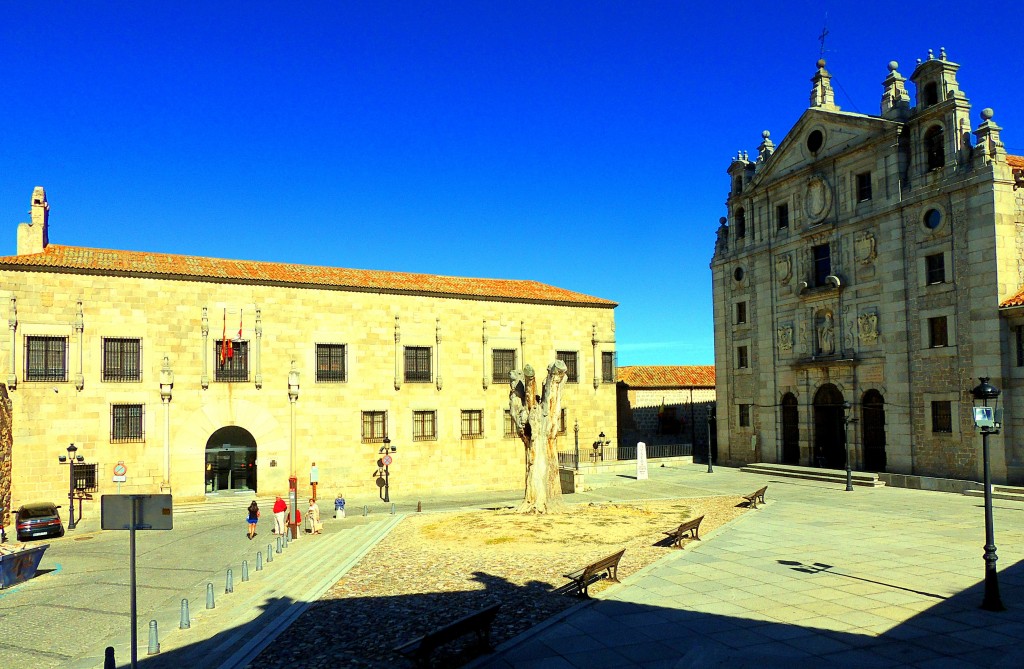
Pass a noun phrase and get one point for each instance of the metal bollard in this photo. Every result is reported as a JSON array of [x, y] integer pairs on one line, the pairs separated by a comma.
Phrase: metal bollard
[[154, 639], [366, 510], [209, 596], [280, 541], [109, 662], [419, 507], [229, 585], [185, 622], [287, 538], [392, 508], [270, 554], [259, 561], [245, 571]]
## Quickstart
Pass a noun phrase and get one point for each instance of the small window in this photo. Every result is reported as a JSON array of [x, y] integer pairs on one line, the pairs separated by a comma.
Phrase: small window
[[815, 140], [782, 216], [931, 93], [942, 416], [330, 363], [744, 415], [417, 364], [424, 425], [572, 371], [863, 186], [934, 149], [232, 360], [122, 359], [737, 274], [563, 421], [510, 426], [741, 223], [46, 358], [608, 367], [937, 333], [935, 269], [503, 361], [126, 423], [738, 188], [822, 263], [472, 424], [932, 219], [742, 357], [375, 426], [741, 313]]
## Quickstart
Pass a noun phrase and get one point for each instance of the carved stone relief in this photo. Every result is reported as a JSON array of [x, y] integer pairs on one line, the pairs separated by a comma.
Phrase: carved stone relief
[[867, 327], [785, 337], [817, 199], [784, 268], [864, 248]]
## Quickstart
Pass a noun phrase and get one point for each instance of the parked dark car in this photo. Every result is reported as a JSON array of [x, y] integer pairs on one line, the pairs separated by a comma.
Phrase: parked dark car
[[40, 519]]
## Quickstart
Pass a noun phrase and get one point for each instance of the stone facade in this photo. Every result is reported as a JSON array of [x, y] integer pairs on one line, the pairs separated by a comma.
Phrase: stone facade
[[666, 405], [281, 319], [867, 260]]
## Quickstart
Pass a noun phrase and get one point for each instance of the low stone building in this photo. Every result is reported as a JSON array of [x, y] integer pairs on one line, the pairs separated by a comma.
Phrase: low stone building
[[206, 376], [868, 273]]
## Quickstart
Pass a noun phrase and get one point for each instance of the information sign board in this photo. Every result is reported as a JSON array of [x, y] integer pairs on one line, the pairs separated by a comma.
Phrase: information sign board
[[152, 512]]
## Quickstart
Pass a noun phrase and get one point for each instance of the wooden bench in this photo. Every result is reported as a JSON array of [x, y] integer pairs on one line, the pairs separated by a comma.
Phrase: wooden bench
[[582, 578], [419, 649], [691, 527], [754, 496]]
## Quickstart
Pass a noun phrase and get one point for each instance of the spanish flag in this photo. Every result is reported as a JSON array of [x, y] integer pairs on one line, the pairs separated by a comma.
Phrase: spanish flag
[[224, 340]]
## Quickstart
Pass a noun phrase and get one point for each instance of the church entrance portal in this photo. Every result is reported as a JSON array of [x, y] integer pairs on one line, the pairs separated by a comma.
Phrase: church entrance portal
[[790, 431], [230, 460], [829, 435], [873, 420]]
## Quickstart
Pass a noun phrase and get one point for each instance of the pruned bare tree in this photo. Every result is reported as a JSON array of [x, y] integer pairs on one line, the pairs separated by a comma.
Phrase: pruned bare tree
[[536, 422]]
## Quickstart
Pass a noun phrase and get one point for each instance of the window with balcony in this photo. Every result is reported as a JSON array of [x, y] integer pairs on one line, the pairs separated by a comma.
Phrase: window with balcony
[[232, 360]]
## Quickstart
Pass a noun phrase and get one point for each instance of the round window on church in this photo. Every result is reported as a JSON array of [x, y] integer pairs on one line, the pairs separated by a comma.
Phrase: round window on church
[[815, 140], [932, 219], [738, 274]]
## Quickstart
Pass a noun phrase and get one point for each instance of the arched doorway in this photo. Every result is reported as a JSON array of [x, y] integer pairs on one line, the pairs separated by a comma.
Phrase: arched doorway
[[873, 422], [790, 430], [230, 460], [829, 436]]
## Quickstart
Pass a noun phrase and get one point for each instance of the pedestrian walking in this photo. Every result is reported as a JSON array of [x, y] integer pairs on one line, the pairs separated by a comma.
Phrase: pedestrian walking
[[339, 506], [253, 518], [280, 508], [313, 518]]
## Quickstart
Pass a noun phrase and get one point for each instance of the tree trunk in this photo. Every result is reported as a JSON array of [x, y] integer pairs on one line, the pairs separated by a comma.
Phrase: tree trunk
[[536, 422]]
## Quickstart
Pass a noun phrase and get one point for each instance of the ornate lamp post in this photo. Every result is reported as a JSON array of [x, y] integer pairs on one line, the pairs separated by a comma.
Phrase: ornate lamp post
[[846, 435], [385, 462], [293, 480], [711, 420], [987, 420], [576, 429], [71, 458]]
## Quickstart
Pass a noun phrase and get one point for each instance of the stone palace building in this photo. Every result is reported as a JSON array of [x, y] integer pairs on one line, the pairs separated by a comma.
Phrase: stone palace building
[[869, 271], [203, 376]]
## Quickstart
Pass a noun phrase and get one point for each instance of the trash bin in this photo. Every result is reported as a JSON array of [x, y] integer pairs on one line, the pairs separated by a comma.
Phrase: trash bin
[[19, 563], [339, 507]]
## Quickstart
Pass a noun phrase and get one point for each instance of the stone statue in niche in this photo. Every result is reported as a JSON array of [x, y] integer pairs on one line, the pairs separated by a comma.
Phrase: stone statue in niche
[[722, 242], [785, 336], [784, 268], [867, 326], [864, 246], [827, 335]]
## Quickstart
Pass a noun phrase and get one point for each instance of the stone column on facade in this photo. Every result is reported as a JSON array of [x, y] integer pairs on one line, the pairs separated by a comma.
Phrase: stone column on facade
[[437, 336], [204, 379], [522, 340], [12, 322], [593, 344], [483, 355], [256, 352], [79, 328], [166, 384], [398, 352]]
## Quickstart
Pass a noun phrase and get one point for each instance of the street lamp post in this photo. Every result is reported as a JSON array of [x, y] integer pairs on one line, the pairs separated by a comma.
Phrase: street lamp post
[[576, 429], [70, 458], [846, 435], [711, 419], [385, 462], [293, 479], [987, 420]]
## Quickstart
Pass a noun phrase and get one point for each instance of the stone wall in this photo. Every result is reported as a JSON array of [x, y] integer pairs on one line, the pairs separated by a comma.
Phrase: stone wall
[[6, 446]]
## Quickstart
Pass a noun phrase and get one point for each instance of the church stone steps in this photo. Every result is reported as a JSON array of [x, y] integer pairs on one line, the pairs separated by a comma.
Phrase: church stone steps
[[866, 479], [1004, 492]]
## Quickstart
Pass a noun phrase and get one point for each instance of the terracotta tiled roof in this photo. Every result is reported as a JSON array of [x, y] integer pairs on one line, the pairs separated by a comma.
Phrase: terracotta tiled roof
[[668, 376], [160, 265], [1015, 301], [1015, 161]]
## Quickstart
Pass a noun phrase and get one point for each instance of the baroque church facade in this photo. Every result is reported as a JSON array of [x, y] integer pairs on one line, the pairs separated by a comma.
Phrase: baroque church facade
[[203, 376], [868, 273]]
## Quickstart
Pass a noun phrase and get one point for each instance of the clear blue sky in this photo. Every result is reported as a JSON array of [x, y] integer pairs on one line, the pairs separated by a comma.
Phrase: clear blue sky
[[581, 144]]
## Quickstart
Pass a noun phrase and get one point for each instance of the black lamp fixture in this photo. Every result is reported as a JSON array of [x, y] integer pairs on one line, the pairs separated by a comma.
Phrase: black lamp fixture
[[847, 419], [70, 459], [988, 419]]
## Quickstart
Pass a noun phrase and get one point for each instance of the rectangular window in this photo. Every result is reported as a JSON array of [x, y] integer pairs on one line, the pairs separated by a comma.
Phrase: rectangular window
[[232, 360], [417, 364], [562, 421], [942, 416], [741, 313], [122, 359], [375, 426], [126, 423], [863, 186], [935, 269], [822, 263], [330, 363], [510, 426], [742, 357], [782, 216], [744, 416], [937, 333], [608, 366], [46, 358], [86, 476], [424, 425], [503, 361], [569, 358], [472, 424]]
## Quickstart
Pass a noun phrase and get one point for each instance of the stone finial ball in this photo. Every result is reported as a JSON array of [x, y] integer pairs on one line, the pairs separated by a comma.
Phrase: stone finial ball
[[722, 221], [893, 66], [987, 114], [821, 63], [766, 134]]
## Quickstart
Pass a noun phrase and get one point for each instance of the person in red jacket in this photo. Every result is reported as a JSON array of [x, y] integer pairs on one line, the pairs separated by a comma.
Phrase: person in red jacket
[[280, 509]]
